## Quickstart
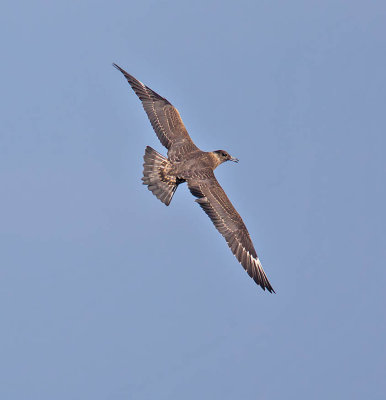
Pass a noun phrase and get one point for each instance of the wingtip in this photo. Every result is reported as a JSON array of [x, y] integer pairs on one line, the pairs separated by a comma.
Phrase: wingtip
[[261, 279], [270, 289], [267, 285]]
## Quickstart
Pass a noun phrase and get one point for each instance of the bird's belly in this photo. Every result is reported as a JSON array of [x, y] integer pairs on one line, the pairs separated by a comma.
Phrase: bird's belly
[[196, 167]]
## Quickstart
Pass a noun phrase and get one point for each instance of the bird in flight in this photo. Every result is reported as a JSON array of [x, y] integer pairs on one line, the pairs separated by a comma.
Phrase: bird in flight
[[187, 163]]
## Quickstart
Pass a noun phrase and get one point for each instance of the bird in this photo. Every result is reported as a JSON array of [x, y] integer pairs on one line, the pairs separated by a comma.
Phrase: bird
[[185, 162]]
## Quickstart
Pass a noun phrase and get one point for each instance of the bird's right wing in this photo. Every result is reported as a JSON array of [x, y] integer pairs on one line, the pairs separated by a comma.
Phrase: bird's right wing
[[164, 118], [214, 201]]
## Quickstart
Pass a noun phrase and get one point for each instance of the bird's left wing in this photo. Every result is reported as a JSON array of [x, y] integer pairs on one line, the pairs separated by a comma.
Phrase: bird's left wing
[[214, 201], [164, 118]]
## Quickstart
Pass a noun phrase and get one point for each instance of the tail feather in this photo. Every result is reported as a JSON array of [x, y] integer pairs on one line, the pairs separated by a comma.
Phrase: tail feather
[[155, 177]]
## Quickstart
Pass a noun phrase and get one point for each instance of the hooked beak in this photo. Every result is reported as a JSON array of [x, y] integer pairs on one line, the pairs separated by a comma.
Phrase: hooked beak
[[234, 159]]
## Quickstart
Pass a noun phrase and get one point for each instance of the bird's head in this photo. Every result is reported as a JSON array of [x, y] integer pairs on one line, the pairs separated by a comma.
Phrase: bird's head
[[223, 156]]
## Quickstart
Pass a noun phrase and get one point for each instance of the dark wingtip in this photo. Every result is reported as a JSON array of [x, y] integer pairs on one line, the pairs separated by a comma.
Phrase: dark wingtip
[[264, 284], [271, 290], [268, 287]]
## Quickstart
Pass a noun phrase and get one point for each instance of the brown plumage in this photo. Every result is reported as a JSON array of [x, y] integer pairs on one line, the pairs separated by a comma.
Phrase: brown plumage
[[187, 163]]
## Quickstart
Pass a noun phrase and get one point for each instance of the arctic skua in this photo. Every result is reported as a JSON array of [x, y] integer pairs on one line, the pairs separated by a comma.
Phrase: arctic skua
[[187, 163]]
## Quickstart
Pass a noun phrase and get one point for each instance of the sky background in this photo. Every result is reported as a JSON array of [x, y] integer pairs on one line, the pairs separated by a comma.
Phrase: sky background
[[105, 293]]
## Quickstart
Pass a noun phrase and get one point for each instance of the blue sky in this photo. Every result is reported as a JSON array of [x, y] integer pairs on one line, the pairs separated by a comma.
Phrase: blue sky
[[107, 294]]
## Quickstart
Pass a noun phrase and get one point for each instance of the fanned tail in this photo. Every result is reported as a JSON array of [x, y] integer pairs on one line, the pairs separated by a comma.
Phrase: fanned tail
[[155, 176]]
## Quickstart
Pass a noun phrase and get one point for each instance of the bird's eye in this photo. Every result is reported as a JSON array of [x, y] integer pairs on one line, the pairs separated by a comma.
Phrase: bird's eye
[[224, 154]]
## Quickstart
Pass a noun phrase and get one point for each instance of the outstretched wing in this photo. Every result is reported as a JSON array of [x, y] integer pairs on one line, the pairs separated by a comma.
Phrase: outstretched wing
[[165, 119], [214, 201]]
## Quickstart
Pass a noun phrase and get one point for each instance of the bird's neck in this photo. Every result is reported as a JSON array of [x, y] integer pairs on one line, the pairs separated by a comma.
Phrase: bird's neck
[[214, 159]]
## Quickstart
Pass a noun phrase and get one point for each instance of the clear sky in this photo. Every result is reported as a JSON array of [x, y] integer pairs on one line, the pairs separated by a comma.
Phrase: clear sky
[[105, 293]]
